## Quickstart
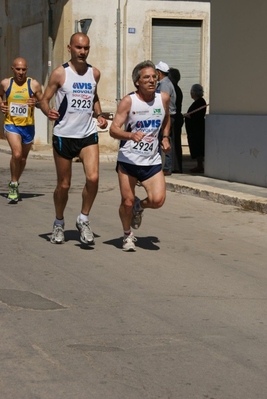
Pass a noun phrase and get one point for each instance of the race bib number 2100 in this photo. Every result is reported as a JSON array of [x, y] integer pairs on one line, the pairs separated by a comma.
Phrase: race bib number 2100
[[17, 109]]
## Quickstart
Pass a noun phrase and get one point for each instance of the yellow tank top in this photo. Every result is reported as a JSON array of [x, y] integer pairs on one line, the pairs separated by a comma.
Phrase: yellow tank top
[[19, 114]]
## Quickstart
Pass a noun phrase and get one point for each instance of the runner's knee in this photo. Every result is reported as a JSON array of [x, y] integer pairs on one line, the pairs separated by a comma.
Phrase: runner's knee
[[157, 202], [92, 179], [128, 203]]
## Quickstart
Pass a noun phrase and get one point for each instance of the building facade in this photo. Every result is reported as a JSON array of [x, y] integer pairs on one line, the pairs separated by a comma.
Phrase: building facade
[[122, 33], [236, 127]]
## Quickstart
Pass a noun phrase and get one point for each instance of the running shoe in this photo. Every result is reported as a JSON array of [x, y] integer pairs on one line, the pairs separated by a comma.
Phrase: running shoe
[[128, 243], [137, 215], [13, 192], [57, 236], [86, 234]]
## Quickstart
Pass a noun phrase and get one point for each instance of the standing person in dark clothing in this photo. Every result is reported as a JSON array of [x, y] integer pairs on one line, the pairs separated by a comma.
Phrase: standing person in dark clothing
[[195, 127], [177, 153]]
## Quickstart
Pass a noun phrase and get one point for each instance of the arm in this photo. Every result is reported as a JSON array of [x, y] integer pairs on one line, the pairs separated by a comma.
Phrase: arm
[[116, 130], [35, 99], [166, 124], [3, 87], [102, 122], [56, 80]]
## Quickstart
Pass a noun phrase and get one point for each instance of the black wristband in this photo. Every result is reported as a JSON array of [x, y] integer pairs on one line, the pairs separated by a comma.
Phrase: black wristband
[[101, 114], [166, 137]]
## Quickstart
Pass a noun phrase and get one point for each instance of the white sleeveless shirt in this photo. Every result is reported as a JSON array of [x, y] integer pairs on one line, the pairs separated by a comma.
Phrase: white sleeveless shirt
[[147, 118], [74, 102]]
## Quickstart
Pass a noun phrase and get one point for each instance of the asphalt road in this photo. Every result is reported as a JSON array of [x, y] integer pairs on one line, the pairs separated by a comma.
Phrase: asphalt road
[[184, 317]]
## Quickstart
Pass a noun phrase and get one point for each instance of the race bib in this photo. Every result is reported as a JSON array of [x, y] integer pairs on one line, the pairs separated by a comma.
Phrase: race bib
[[80, 104], [144, 147], [17, 109]]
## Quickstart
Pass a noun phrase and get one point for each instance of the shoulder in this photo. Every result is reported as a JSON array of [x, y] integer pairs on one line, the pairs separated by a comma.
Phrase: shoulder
[[165, 96], [34, 83], [58, 76], [58, 72], [199, 102], [179, 90], [5, 83], [125, 104], [127, 100], [96, 73]]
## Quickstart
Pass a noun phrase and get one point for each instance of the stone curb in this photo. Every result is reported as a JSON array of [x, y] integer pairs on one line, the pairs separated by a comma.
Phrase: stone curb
[[250, 203]]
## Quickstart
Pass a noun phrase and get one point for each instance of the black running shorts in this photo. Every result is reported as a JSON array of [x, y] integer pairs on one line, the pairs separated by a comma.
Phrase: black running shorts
[[70, 148]]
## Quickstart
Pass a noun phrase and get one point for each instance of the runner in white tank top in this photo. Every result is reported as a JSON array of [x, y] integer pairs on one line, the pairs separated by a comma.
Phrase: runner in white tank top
[[74, 102], [146, 117], [137, 123], [74, 85]]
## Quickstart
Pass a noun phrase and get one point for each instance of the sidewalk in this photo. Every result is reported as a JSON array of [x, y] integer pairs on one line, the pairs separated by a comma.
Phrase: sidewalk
[[247, 197]]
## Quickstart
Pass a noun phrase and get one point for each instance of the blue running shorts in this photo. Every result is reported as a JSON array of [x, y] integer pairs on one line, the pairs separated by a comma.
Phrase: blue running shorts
[[27, 133], [141, 172]]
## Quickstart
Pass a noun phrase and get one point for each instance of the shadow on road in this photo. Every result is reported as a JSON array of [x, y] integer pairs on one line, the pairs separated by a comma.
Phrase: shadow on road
[[70, 235], [142, 242], [23, 196]]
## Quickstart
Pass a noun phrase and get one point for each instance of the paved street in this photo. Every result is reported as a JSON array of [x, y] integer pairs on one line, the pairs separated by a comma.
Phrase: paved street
[[185, 317]]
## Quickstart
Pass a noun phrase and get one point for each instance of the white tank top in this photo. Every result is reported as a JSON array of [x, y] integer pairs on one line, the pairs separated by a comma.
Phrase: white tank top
[[74, 102], [148, 118]]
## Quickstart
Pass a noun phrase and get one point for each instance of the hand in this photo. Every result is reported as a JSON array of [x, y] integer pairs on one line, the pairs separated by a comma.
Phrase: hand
[[165, 145], [32, 101], [53, 114], [4, 107], [186, 115], [102, 122], [137, 136]]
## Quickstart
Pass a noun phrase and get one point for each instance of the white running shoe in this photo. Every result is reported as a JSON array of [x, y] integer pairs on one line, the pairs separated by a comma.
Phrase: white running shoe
[[57, 236], [128, 243], [137, 215], [86, 234]]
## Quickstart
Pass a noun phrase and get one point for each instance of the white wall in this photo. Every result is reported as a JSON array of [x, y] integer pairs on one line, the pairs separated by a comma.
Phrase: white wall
[[135, 47], [238, 57], [236, 148], [236, 134]]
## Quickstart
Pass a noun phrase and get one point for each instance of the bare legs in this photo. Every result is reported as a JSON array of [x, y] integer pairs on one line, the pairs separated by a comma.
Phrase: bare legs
[[19, 154], [156, 194], [90, 159]]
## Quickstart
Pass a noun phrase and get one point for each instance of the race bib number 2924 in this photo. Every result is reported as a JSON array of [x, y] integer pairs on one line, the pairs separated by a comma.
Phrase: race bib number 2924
[[143, 147]]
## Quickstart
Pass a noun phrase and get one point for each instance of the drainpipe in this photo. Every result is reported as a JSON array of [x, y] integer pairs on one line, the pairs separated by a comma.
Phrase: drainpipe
[[50, 55], [118, 53], [124, 49]]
